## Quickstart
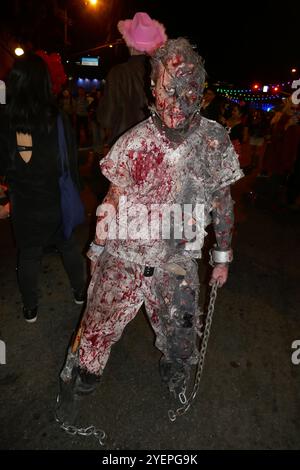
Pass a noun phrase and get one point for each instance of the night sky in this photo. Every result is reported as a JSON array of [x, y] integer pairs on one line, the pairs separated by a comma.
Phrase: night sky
[[240, 41]]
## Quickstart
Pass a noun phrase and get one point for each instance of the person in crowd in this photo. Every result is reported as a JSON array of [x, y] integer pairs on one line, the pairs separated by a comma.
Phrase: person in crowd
[[281, 152], [258, 128], [4, 203], [81, 105], [4, 211], [94, 123], [66, 103], [239, 134], [29, 159], [276, 160], [293, 184], [126, 93], [175, 160], [211, 104]]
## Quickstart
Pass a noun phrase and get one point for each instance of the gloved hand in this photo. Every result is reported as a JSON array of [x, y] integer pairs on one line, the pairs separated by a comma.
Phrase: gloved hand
[[219, 275]]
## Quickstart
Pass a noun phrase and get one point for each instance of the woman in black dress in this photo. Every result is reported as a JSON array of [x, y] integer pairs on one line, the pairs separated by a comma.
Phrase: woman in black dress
[[29, 158]]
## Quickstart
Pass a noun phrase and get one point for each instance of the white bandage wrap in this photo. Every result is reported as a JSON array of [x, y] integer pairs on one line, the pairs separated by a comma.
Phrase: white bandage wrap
[[94, 251], [220, 256]]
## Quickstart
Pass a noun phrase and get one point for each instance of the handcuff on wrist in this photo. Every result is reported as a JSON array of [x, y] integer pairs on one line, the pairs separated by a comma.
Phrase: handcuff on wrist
[[219, 256], [94, 252], [97, 246]]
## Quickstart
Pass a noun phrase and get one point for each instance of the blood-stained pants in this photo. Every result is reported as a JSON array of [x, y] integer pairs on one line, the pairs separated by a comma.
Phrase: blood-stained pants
[[117, 291]]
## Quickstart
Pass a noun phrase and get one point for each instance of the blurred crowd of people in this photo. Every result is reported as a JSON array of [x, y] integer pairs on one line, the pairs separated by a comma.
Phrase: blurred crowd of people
[[268, 143], [82, 110]]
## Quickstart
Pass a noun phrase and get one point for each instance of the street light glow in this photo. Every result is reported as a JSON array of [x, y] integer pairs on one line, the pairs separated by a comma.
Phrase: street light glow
[[19, 51], [93, 3], [294, 70]]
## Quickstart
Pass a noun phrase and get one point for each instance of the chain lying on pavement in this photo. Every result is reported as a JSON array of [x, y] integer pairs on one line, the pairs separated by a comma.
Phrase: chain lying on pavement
[[91, 430], [182, 396]]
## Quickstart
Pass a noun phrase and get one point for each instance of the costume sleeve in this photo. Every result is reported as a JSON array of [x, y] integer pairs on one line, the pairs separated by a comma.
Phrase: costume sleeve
[[106, 212], [223, 217], [228, 168], [115, 165], [227, 172]]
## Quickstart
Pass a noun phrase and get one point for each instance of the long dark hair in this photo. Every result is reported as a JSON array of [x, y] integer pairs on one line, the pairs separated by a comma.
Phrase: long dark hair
[[30, 102]]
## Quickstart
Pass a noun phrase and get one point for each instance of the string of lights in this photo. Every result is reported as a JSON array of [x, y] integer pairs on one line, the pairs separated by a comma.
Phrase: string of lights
[[258, 96]]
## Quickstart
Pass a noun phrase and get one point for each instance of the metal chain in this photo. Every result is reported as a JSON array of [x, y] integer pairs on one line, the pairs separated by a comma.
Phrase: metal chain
[[182, 397], [99, 434]]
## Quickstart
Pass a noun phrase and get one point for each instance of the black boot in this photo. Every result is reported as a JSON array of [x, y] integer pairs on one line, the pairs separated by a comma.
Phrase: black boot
[[30, 314], [71, 393], [85, 383], [173, 375], [68, 404]]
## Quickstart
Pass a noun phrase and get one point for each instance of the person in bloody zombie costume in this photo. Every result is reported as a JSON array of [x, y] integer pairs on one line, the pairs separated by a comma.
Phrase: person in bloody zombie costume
[[177, 158]]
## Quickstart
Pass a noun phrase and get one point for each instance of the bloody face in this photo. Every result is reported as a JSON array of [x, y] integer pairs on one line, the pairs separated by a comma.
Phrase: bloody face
[[177, 90]]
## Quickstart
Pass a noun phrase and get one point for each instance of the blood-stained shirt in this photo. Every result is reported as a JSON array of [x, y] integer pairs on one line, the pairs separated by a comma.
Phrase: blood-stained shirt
[[167, 187]]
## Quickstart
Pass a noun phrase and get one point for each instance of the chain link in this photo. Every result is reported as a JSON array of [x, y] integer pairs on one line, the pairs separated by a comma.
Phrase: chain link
[[182, 398], [91, 430]]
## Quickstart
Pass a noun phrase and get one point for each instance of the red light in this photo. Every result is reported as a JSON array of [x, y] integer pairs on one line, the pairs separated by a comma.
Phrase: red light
[[256, 86]]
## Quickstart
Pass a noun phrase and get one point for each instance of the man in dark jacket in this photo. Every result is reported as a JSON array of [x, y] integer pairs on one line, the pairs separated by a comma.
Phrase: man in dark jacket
[[125, 99]]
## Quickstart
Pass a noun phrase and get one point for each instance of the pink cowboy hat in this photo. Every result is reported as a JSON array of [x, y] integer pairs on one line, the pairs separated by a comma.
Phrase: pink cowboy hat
[[142, 33]]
